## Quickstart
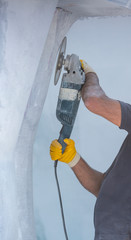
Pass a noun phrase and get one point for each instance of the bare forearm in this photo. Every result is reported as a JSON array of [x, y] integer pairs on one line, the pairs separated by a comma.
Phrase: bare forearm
[[88, 177], [97, 102]]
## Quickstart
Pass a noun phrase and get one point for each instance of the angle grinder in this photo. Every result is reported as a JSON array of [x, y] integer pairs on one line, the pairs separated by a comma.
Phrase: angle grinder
[[70, 91]]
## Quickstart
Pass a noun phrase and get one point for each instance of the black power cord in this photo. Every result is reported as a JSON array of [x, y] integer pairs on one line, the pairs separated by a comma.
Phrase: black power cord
[[60, 199]]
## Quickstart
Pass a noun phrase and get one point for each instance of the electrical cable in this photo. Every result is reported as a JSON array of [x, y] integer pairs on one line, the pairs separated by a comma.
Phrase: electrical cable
[[60, 200]]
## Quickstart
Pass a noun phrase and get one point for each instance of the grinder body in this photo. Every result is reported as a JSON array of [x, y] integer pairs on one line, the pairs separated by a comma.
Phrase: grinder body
[[69, 96]]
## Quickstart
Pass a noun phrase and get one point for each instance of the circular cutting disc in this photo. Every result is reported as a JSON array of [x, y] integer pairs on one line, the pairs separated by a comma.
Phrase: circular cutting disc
[[60, 60]]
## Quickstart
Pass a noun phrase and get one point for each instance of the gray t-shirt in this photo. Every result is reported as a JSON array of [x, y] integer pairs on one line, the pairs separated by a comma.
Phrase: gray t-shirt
[[113, 206]]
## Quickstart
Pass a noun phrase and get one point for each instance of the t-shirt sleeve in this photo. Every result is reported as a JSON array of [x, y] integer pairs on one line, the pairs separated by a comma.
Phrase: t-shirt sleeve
[[125, 116]]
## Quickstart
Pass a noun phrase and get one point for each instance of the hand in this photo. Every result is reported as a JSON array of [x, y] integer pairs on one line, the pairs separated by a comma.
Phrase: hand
[[86, 67], [70, 156]]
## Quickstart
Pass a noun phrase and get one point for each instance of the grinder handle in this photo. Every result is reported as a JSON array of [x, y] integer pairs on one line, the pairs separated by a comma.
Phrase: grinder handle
[[64, 133], [61, 141]]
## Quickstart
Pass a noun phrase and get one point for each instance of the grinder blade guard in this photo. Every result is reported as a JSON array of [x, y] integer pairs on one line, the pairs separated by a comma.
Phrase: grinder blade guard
[[70, 91]]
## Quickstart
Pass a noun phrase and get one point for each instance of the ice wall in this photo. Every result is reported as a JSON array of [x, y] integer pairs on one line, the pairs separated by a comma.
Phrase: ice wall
[[26, 61]]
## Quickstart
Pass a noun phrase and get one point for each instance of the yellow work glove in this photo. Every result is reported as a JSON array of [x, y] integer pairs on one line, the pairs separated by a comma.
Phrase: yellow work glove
[[86, 67], [70, 156]]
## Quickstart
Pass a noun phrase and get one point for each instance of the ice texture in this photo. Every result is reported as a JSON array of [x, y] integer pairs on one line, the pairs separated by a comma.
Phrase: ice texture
[[29, 45], [124, 3]]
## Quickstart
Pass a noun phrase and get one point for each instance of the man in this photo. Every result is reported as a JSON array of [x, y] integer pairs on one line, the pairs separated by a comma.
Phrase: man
[[112, 215]]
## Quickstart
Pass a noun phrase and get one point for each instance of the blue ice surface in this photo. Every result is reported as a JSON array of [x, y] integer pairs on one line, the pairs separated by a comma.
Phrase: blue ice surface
[[3, 25], [125, 3]]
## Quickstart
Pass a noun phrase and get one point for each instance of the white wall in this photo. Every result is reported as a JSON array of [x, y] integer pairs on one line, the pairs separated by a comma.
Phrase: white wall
[[105, 44]]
